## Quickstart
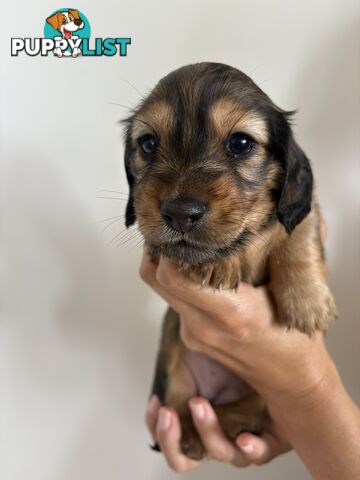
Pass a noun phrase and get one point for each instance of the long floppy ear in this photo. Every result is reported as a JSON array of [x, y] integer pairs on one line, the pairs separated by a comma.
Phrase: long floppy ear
[[75, 13], [54, 20], [130, 216], [294, 202]]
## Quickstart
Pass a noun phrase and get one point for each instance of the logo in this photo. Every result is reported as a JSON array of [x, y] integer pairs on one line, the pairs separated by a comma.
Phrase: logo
[[67, 34]]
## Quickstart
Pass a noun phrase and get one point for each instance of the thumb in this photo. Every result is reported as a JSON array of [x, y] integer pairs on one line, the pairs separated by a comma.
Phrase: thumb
[[260, 450]]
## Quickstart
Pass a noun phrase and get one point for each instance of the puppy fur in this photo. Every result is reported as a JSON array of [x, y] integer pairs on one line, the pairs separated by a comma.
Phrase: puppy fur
[[262, 220]]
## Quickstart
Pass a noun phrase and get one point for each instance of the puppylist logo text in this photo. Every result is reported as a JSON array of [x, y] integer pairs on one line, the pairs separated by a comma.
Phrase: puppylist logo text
[[67, 34]]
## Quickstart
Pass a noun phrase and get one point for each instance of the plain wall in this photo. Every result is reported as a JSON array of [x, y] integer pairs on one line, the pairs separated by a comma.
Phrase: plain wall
[[79, 330]]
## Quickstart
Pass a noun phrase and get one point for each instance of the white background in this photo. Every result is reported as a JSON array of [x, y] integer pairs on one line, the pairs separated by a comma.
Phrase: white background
[[79, 329]]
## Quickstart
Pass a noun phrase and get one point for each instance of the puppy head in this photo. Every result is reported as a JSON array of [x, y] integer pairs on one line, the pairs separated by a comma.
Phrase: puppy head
[[66, 22], [211, 161]]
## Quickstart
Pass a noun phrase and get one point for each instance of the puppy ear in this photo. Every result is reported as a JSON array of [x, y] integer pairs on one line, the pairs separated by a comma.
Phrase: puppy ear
[[130, 216], [295, 198], [74, 13], [54, 20]]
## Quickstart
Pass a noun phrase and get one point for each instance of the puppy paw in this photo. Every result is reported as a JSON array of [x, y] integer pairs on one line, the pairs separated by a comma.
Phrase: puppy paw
[[190, 441], [58, 52], [307, 309], [76, 52], [225, 274], [233, 425]]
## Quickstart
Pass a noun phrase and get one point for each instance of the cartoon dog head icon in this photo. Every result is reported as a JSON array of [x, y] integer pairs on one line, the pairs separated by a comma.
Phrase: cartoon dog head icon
[[66, 22]]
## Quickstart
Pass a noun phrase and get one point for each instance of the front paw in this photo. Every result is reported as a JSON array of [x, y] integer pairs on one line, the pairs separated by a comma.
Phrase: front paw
[[76, 52], [235, 424], [58, 52], [308, 309], [224, 274], [191, 444]]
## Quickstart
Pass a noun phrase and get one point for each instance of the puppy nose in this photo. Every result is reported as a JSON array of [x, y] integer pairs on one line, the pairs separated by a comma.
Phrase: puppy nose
[[78, 21], [182, 214]]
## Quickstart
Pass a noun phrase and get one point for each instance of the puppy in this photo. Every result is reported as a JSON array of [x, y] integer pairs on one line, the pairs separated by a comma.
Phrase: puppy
[[219, 185], [66, 23]]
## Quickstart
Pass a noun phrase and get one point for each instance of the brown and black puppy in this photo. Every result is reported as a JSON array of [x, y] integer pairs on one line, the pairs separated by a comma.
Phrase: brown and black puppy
[[219, 185]]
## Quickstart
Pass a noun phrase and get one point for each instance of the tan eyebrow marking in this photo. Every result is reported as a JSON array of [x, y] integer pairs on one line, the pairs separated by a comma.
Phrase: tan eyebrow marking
[[156, 118], [228, 117]]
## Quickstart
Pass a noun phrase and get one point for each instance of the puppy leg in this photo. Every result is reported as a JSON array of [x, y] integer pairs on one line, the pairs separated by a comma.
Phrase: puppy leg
[[246, 415], [174, 383], [298, 279]]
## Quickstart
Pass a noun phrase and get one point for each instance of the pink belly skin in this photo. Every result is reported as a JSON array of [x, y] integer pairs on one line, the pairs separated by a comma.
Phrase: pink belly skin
[[214, 381]]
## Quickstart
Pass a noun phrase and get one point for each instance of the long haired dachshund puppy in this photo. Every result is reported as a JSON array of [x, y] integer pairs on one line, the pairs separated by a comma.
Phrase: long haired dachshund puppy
[[219, 185]]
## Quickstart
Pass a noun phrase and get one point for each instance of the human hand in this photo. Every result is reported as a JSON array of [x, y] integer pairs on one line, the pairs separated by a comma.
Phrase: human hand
[[234, 327], [164, 426], [292, 372]]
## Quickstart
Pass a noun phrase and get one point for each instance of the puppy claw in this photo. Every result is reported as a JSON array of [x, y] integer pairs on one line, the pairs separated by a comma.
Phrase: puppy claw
[[155, 447]]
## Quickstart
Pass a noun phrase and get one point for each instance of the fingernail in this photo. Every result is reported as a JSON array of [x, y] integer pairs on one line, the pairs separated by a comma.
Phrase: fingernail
[[153, 403], [247, 447], [198, 410], [164, 420]]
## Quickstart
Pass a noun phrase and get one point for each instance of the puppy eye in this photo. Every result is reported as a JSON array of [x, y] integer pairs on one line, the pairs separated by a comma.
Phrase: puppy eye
[[148, 144], [64, 20], [240, 144]]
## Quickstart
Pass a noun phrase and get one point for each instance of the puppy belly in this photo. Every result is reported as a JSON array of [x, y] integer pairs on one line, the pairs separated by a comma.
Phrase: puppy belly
[[214, 381]]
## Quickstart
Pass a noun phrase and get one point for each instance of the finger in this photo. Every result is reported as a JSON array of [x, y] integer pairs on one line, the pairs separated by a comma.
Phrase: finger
[[168, 432], [260, 450], [247, 306], [151, 415], [181, 286], [148, 272], [253, 304], [182, 293], [171, 284], [216, 444]]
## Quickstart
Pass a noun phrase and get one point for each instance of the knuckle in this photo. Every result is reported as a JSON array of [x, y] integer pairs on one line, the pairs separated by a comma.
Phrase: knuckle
[[188, 338], [261, 460], [163, 277], [168, 279], [177, 466], [210, 337], [241, 331], [241, 463], [145, 273], [220, 454]]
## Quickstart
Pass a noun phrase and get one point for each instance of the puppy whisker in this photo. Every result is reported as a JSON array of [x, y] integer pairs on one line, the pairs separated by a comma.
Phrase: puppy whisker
[[122, 241], [110, 218], [119, 235], [111, 198], [127, 107], [113, 191], [132, 86], [111, 223]]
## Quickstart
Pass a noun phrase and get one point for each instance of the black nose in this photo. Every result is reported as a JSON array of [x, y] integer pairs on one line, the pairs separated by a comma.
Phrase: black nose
[[182, 214], [78, 21]]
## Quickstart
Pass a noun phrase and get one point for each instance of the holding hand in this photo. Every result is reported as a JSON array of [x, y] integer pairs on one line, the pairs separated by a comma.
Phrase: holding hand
[[164, 426]]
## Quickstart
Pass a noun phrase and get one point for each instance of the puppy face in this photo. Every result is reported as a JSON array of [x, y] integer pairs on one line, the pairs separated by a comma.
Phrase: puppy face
[[211, 162], [66, 22]]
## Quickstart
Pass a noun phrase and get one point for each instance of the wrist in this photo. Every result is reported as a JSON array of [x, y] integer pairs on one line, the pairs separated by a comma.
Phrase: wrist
[[316, 421], [304, 379], [317, 387]]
